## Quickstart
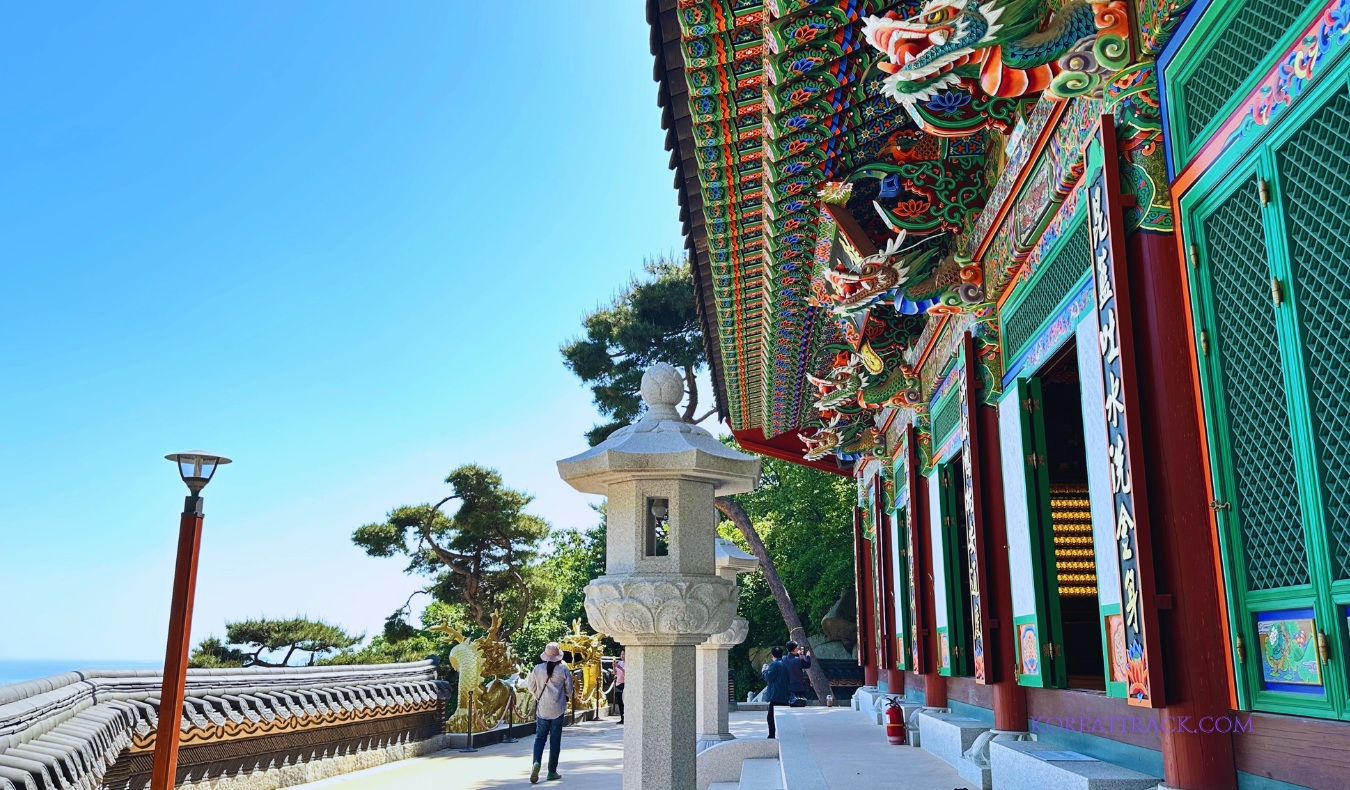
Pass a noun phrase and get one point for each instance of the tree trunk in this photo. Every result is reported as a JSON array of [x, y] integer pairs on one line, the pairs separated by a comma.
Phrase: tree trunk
[[796, 632]]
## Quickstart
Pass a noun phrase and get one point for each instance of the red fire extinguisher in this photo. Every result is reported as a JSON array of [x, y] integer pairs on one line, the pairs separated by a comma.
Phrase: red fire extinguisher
[[895, 723]]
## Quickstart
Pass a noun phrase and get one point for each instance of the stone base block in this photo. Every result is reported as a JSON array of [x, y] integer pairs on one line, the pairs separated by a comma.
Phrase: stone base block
[[752, 706], [1033, 764], [950, 736], [864, 698], [706, 740], [872, 703], [722, 762], [912, 710]]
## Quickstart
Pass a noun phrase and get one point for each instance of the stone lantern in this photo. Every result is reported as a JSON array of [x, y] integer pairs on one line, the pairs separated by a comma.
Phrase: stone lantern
[[661, 595], [712, 654]]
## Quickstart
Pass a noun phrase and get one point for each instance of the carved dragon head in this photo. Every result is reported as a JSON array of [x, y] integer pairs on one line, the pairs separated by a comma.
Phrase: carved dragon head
[[955, 50], [876, 277], [943, 42]]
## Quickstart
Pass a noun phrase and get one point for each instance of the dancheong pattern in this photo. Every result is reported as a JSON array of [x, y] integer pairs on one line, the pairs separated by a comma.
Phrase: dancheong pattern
[[795, 104]]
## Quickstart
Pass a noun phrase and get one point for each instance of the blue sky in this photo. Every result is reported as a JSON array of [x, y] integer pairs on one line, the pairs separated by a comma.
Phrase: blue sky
[[339, 242]]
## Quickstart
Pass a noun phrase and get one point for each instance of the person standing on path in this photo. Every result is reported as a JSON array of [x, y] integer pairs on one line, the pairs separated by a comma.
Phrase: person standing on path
[[551, 684], [619, 672], [798, 660], [777, 690]]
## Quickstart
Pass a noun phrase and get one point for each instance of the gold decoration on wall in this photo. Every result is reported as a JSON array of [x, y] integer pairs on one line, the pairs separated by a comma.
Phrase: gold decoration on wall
[[1075, 560], [588, 651]]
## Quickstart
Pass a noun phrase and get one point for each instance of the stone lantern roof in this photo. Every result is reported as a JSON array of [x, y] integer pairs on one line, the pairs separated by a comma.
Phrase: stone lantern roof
[[661, 445], [731, 558]]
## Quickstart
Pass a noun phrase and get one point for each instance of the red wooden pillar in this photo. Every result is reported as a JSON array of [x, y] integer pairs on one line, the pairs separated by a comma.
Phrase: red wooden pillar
[[1195, 646], [1010, 699]]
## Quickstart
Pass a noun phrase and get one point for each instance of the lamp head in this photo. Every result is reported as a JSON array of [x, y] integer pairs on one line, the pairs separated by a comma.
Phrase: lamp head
[[197, 468]]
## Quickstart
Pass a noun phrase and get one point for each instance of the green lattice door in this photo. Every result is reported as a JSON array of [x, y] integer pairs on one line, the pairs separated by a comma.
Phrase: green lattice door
[[954, 566], [1047, 628], [1271, 298], [900, 560]]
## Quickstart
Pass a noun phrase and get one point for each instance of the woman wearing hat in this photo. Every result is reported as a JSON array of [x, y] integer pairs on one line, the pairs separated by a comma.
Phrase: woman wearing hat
[[551, 684]]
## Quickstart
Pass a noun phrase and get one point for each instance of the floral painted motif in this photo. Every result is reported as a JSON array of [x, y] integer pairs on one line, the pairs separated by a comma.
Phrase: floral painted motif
[[1029, 648], [1115, 635]]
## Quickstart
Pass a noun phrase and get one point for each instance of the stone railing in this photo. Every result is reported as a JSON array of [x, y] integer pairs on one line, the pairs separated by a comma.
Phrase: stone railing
[[265, 728]]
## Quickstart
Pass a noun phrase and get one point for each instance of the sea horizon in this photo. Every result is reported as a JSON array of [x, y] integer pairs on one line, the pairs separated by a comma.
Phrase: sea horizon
[[19, 670]]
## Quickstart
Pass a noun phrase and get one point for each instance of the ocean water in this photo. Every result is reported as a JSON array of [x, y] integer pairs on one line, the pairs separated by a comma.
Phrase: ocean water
[[19, 670]]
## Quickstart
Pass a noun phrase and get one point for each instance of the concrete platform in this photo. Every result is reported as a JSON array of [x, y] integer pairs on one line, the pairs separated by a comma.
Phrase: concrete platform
[[822, 749], [850, 753], [1032, 764]]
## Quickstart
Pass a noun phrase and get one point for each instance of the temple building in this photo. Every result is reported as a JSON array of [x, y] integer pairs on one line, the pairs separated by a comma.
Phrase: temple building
[[1063, 285]]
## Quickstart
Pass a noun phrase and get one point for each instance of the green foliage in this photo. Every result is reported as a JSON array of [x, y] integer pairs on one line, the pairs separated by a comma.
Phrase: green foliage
[[214, 654], [653, 320], [481, 556], [256, 637], [577, 557], [805, 518], [402, 642]]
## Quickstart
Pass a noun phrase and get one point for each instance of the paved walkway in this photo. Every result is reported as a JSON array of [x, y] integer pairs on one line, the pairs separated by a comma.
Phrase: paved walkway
[[850, 752]]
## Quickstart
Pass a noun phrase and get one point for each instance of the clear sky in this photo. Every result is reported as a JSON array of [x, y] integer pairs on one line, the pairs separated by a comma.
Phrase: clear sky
[[339, 242]]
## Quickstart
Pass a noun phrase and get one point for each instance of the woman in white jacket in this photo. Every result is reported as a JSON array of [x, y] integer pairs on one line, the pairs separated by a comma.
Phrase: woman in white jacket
[[551, 685]]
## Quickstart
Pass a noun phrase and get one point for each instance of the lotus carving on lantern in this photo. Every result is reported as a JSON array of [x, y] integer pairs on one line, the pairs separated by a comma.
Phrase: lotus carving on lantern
[[651, 607]]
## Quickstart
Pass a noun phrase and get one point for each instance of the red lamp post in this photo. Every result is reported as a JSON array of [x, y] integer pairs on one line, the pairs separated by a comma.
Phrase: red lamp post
[[196, 469]]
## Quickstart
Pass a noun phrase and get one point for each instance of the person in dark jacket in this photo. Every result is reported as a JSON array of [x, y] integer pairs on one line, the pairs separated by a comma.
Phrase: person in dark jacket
[[777, 691], [798, 660]]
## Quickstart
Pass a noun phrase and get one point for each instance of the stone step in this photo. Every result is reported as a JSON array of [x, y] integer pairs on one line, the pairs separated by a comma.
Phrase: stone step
[[761, 774], [1033, 764], [724, 786]]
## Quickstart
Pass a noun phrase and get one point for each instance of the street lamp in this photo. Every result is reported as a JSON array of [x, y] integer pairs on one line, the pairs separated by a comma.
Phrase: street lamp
[[196, 468]]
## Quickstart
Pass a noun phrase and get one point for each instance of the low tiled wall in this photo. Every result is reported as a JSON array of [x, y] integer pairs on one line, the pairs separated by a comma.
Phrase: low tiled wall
[[89, 730]]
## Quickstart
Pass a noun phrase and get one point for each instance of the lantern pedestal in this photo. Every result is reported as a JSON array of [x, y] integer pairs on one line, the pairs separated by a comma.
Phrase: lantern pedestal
[[713, 705]]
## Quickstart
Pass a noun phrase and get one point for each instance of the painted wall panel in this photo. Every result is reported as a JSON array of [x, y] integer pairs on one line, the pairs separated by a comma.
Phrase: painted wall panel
[[1099, 483], [1015, 506], [935, 545]]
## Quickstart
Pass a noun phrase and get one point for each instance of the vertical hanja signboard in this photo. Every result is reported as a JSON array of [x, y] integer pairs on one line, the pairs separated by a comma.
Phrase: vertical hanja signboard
[[1121, 409]]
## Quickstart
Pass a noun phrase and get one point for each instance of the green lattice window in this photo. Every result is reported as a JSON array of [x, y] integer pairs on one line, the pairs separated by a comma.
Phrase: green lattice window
[[1053, 281], [1314, 168], [1259, 448], [1271, 301], [946, 416], [1249, 35]]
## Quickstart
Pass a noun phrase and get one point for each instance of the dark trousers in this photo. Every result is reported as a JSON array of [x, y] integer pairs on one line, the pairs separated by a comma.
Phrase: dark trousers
[[773, 730], [550, 730], [618, 698]]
